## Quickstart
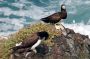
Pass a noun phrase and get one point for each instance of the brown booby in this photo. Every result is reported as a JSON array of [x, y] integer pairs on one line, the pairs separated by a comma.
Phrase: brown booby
[[56, 17], [32, 41]]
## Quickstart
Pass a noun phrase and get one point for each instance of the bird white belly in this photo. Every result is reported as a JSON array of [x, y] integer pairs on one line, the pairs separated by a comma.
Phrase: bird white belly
[[36, 44]]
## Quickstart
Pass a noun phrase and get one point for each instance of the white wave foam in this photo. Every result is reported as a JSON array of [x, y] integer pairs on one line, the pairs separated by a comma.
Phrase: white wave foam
[[6, 34], [79, 28], [33, 11], [87, 2], [10, 24], [36, 12], [7, 11]]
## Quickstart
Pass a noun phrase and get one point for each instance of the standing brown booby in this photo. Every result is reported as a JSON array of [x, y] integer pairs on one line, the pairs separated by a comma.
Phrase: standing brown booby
[[32, 41], [56, 17]]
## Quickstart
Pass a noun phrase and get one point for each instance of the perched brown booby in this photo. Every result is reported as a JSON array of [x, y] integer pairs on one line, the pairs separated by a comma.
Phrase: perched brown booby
[[32, 41], [56, 17]]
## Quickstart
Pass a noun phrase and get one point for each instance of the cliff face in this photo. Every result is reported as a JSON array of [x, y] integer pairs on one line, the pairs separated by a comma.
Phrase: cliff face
[[73, 46], [70, 46]]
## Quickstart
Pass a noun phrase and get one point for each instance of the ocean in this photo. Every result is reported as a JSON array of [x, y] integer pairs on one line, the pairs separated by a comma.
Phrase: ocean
[[16, 14]]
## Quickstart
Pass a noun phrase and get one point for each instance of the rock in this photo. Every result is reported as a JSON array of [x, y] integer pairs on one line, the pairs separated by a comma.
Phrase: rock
[[61, 28], [69, 31], [70, 46]]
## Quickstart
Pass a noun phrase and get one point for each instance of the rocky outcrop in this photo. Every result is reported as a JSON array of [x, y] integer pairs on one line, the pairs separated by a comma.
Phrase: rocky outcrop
[[70, 46]]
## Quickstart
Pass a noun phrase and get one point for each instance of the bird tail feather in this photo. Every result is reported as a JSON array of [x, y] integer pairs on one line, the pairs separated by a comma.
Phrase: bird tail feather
[[45, 20]]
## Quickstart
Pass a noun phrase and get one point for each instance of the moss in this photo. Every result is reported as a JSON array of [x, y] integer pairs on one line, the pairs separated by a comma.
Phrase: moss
[[23, 33]]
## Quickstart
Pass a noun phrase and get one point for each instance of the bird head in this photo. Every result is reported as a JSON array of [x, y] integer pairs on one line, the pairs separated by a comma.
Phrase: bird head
[[43, 34], [63, 7]]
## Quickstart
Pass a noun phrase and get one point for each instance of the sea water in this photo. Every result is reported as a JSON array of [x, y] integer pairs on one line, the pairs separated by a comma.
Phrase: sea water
[[16, 14]]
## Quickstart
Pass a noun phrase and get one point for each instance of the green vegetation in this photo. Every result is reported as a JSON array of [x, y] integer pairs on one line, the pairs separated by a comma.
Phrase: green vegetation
[[22, 34]]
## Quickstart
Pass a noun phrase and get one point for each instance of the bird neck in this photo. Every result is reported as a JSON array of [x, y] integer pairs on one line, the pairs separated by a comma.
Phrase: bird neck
[[63, 10], [36, 44]]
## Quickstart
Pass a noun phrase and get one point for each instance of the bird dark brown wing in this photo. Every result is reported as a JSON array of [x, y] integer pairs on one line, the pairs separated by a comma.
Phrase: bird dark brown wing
[[55, 16], [26, 43], [31, 40]]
